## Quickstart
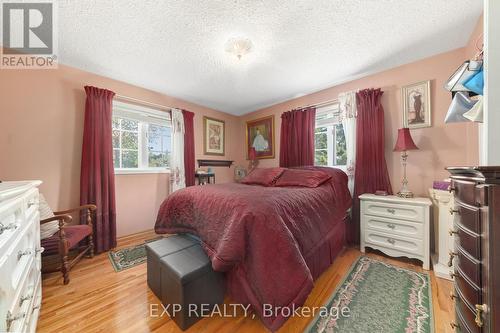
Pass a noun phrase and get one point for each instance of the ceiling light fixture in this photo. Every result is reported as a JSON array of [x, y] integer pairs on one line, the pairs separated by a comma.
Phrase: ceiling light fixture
[[239, 46]]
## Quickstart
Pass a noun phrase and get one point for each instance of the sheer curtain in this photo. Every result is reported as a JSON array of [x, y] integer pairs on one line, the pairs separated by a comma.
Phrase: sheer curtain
[[348, 114], [177, 169]]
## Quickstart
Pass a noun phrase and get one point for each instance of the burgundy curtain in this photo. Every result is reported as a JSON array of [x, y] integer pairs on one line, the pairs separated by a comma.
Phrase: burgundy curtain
[[297, 138], [97, 177], [189, 163], [371, 168]]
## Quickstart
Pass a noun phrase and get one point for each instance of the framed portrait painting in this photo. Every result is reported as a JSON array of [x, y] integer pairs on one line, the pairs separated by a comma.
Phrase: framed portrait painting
[[260, 135], [214, 131], [417, 105]]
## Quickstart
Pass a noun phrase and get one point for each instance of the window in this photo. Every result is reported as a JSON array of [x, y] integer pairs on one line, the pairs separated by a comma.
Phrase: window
[[329, 138], [142, 139]]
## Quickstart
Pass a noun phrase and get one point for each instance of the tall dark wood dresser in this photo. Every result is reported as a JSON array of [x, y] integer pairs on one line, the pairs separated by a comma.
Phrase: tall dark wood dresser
[[475, 262]]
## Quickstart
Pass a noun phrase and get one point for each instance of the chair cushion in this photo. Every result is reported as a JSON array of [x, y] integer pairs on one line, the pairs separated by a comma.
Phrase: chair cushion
[[50, 228], [74, 234]]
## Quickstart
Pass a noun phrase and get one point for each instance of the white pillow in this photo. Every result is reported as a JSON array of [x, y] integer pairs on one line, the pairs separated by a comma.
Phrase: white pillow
[[48, 229]]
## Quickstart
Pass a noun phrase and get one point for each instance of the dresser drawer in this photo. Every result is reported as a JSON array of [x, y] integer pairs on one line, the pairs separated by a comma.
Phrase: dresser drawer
[[19, 310], [17, 259], [394, 227], [30, 203], [465, 191], [394, 211], [463, 327], [471, 293], [11, 220], [469, 266], [393, 243], [467, 315], [468, 217], [468, 241]]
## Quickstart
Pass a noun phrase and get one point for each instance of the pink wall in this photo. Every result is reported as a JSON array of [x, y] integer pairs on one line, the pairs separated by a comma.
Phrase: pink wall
[[41, 126], [440, 145]]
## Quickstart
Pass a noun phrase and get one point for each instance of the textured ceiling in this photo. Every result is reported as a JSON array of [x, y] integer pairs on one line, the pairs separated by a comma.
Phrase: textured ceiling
[[178, 47]]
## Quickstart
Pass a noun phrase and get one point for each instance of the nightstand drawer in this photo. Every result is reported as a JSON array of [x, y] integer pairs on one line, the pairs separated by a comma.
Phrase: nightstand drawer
[[394, 243], [395, 211], [394, 227]]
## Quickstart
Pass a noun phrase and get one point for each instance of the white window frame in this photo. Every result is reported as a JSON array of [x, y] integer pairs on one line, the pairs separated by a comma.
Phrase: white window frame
[[144, 116], [331, 112]]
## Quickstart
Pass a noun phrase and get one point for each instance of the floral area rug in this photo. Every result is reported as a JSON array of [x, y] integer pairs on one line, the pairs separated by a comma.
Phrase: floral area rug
[[378, 297], [130, 256]]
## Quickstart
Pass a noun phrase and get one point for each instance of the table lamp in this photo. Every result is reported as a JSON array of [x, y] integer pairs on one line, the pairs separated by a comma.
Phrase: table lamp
[[403, 144]]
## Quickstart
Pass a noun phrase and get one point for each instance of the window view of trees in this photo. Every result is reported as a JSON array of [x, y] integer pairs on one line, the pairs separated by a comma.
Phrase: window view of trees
[[329, 145], [321, 146], [154, 147], [125, 143], [340, 147], [159, 138]]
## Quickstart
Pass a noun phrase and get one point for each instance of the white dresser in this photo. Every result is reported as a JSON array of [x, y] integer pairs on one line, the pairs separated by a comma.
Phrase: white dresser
[[20, 256], [399, 227]]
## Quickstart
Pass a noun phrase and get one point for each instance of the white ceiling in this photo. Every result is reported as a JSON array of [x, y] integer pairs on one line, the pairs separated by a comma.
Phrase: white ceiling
[[178, 47]]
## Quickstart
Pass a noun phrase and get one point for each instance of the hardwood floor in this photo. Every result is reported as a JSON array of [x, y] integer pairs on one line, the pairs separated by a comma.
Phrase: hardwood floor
[[100, 300]]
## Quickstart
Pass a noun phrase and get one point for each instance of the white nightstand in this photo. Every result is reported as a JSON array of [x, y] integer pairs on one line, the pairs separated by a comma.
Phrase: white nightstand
[[397, 226]]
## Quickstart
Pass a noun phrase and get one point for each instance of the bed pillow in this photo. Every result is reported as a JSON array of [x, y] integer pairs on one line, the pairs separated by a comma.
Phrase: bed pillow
[[263, 176], [303, 178]]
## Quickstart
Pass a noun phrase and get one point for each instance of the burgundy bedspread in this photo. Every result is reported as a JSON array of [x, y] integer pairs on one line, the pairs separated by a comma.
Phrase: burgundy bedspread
[[260, 235]]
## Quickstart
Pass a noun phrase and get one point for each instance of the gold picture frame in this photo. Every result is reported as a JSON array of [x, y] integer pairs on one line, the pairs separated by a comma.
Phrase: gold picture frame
[[214, 136], [417, 106], [260, 135]]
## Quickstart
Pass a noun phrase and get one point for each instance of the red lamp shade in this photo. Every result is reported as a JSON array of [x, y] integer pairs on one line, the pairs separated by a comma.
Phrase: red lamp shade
[[252, 154], [404, 142]]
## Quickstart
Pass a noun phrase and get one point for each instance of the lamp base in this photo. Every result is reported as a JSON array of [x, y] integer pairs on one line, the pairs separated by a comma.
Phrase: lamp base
[[405, 194]]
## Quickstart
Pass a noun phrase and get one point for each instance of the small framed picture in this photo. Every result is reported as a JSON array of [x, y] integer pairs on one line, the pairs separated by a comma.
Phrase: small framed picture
[[214, 131], [417, 105], [260, 135]]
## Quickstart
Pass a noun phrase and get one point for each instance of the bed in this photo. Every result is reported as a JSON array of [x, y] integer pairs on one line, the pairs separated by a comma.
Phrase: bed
[[272, 242]]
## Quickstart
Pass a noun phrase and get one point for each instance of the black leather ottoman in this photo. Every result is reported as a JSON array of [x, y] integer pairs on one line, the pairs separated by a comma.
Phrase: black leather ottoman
[[162, 247], [188, 280]]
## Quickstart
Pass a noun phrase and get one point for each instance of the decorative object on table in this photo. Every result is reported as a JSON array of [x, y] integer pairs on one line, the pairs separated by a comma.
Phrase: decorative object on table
[[463, 73], [213, 136], [417, 105], [399, 227], [381, 193], [403, 144], [129, 257], [205, 178], [381, 298], [442, 223], [210, 170], [443, 185], [476, 113], [215, 163], [460, 104], [253, 161], [260, 135], [239, 173]]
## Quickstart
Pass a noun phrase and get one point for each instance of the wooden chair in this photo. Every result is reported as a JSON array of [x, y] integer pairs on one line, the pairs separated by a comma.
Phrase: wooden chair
[[69, 238]]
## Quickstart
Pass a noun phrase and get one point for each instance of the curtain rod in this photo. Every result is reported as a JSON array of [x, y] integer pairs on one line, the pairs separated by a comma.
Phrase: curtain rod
[[141, 102], [331, 101]]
